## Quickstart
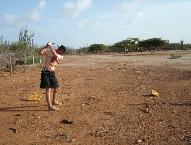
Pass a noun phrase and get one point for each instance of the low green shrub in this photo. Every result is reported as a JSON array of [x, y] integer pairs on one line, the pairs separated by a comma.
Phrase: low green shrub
[[175, 56]]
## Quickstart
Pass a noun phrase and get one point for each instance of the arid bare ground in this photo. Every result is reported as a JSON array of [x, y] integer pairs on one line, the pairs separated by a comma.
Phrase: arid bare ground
[[105, 101]]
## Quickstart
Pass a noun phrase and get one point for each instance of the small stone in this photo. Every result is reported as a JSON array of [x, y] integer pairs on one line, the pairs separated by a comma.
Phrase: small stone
[[64, 121], [93, 97], [69, 139], [139, 141], [13, 129], [18, 115], [148, 110], [138, 72]]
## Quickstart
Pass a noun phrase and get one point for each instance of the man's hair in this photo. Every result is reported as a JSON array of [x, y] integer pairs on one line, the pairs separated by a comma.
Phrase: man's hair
[[62, 47]]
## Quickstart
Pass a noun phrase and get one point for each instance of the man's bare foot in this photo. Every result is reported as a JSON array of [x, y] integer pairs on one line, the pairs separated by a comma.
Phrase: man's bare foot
[[57, 103], [52, 108]]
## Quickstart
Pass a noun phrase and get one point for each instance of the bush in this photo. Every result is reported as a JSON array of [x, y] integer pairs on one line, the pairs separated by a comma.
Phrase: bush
[[29, 60], [95, 48], [175, 56]]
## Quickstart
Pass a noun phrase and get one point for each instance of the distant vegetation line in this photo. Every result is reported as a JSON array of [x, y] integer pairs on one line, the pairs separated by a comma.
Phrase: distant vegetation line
[[24, 51], [132, 45]]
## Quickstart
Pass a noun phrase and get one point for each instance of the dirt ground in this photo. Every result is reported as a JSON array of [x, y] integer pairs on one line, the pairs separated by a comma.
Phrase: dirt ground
[[106, 101]]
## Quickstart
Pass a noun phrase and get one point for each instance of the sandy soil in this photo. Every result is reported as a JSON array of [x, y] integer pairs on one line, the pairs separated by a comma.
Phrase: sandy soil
[[106, 100]]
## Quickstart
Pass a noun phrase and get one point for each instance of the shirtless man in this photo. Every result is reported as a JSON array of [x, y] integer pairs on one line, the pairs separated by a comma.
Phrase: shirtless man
[[49, 81]]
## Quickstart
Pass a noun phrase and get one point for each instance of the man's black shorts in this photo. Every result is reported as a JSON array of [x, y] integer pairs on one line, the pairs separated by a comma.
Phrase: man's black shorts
[[48, 79]]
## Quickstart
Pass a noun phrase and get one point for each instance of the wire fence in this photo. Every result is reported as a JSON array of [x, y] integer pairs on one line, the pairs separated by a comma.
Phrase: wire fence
[[9, 62]]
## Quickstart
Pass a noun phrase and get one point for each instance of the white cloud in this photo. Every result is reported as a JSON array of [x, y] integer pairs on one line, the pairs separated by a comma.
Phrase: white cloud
[[138, 17], [129, 6], [35, 14], [87, 24], [41, 4], [75, 8], [11, 20], [130, 11]]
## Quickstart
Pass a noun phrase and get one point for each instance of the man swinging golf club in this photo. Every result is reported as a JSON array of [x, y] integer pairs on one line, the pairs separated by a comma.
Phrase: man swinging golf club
[[52, 57]]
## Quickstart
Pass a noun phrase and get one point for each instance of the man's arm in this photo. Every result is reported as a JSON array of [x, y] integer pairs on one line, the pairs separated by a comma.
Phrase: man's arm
[[52, 49], [41, 51], [57, 60]]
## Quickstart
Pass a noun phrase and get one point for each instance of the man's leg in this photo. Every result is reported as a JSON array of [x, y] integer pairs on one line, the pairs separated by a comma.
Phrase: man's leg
[[54, 101], [48, 99], [48, 91]]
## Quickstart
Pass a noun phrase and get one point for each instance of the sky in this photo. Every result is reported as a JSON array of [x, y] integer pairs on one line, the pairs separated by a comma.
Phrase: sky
[[78, 23]]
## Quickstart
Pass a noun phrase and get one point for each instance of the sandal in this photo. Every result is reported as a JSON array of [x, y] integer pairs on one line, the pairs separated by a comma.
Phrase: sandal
[[57, 103], [52, 108]]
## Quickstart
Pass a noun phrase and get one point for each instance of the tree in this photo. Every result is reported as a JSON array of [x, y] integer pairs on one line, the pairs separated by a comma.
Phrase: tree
[[18, 47], [153, 44], [130, 44], [95, 48]]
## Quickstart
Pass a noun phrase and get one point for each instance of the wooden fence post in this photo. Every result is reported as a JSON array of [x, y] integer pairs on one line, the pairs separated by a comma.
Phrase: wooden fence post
[[33, 61], [11, 66]]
